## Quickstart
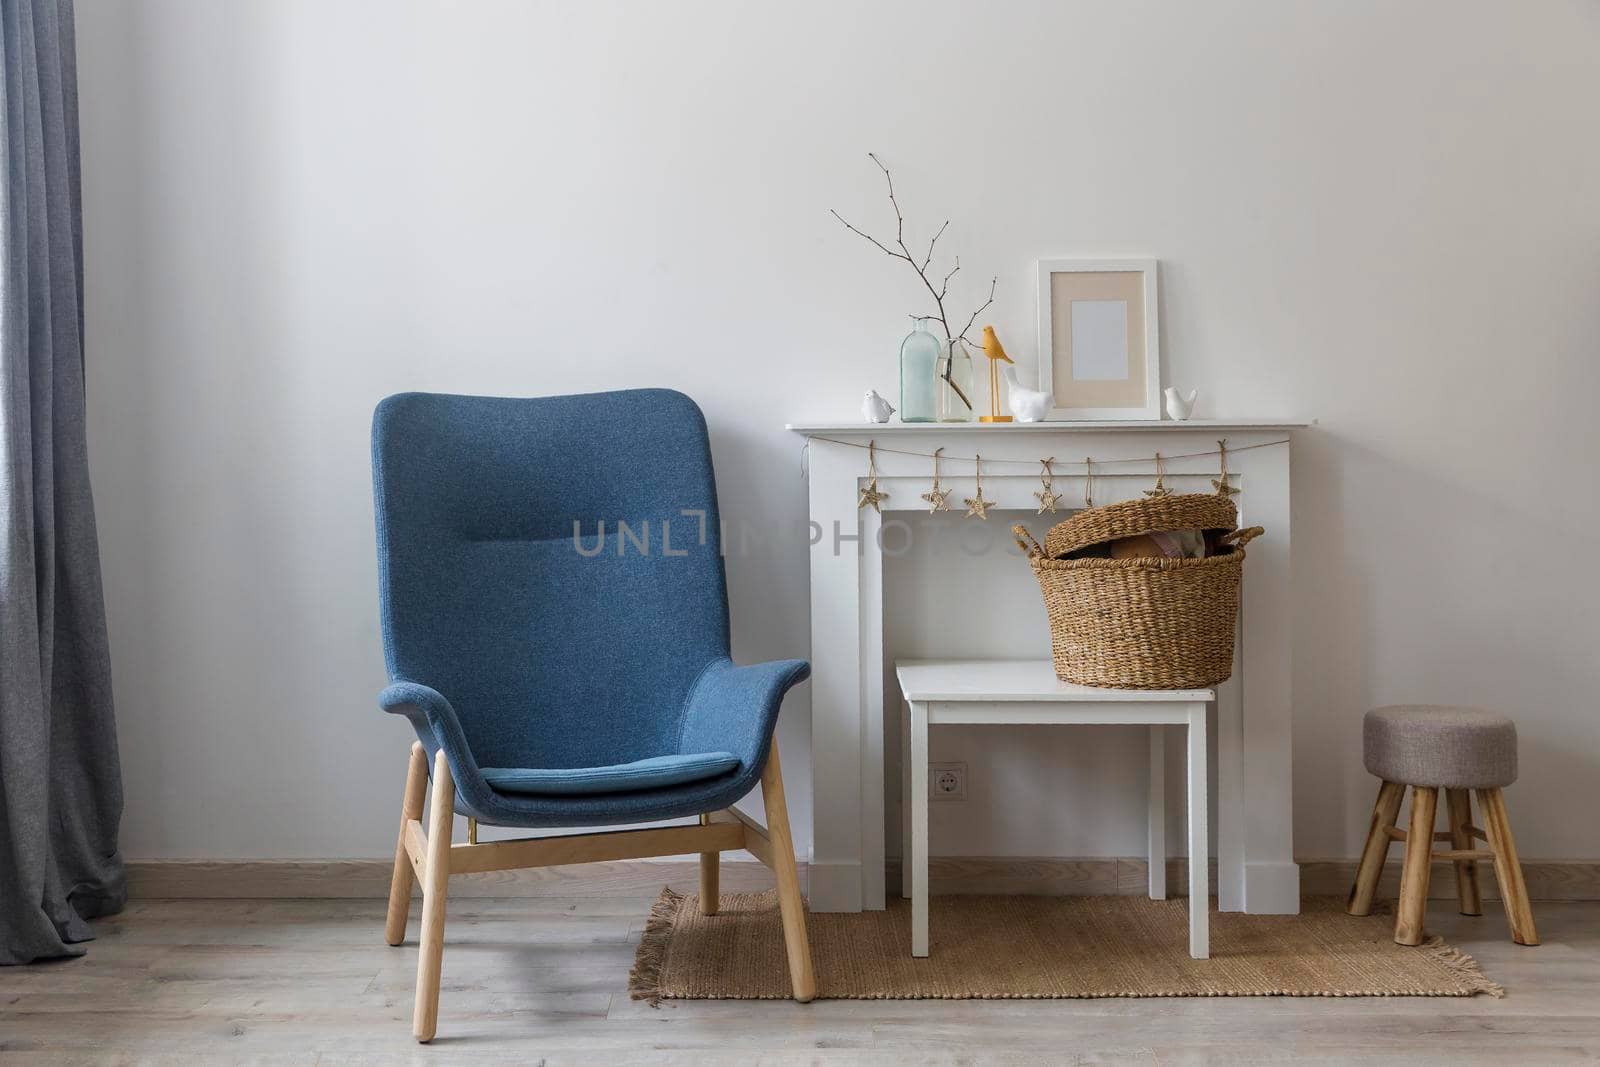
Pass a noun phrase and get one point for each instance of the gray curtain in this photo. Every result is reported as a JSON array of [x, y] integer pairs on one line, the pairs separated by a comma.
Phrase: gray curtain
[[60, 784]]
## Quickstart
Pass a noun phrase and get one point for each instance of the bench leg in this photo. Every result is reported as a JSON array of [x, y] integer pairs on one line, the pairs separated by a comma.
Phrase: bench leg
[[919, 829], [1199, 843], [1156, 831], [905, 801]]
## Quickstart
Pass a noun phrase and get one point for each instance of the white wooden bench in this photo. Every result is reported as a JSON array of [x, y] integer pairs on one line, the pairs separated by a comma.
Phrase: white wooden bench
[[1017, 692]]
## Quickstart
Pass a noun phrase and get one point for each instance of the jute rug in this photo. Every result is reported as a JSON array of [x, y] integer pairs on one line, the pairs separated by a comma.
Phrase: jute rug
[[1026, 947]]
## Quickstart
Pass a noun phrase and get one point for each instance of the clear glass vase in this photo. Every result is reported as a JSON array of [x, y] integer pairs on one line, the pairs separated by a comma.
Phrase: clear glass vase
[[920, 355], [953, 390]]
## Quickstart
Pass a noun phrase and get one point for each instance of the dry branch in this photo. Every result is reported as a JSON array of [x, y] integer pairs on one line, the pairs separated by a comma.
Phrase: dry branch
[[904, 252]]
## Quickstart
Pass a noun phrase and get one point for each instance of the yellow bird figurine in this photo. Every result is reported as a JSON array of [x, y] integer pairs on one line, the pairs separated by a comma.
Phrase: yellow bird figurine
[[992, 346], [997, 355]]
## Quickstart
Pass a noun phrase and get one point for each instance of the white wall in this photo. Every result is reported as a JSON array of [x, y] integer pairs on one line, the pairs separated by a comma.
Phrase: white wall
[[1381, 215]]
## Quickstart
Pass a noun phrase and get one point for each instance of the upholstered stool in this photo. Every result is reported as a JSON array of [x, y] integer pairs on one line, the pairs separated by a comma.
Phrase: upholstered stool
[[1431, 748]]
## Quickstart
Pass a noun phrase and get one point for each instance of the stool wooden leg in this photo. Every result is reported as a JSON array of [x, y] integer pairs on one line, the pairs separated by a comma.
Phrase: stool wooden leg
[[1507, 867], [1414, 875], [1372, 856], [1459, 811]]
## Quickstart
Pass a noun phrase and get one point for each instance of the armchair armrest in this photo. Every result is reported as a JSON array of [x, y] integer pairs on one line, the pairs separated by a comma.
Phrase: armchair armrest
[[437, 728], [734, 709]]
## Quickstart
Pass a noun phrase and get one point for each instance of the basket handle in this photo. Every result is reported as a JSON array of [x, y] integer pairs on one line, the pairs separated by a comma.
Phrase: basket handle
[[1025, 541], [1240, 538]]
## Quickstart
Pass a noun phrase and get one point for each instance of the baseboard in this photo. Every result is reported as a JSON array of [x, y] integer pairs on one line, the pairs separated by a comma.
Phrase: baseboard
[[1547, 879], [1045, 876], [151, 879], [248, 879]]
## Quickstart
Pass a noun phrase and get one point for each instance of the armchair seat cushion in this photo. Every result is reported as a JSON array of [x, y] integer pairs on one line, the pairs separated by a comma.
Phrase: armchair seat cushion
[[640, 775]]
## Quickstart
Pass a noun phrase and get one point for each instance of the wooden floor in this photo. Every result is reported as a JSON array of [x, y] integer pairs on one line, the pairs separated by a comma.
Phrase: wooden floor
[[544, 980]]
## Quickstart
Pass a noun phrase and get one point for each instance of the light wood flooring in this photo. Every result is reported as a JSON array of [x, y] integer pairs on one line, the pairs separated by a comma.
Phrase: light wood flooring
[[545, 981]]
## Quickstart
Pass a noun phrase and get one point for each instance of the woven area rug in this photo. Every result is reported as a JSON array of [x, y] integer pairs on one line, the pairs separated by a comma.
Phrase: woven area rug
[[1026, 947]]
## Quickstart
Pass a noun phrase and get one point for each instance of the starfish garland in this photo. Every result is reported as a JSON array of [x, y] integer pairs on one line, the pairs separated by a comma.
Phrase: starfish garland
[[938, 495], [1161, 485], [977, 505], [1220, 482], [937, 498], [1048, 497], [870, 493]]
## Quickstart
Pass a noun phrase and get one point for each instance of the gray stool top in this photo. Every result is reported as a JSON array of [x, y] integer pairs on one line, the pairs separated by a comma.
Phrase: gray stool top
[[1445, 747]]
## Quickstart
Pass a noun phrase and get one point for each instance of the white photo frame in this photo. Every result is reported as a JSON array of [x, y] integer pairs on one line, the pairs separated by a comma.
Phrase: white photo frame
[[1102, 358]]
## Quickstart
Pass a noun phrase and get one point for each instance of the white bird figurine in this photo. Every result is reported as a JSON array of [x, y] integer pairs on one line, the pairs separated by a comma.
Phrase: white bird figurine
[[1028, 405], [1180, 407], [875, 408]]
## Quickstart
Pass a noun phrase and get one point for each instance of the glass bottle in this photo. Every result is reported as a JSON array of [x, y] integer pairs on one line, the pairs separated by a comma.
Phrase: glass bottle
[[920, 354], [953, 401]]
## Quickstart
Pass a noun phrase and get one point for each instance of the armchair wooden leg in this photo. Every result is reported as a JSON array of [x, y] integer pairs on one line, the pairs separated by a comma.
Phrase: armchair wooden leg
[[1459, 809], [783, 865], [710, 871], [394, 927], [1418, 866], [1372, 856], [1507, 866], [436, 880]]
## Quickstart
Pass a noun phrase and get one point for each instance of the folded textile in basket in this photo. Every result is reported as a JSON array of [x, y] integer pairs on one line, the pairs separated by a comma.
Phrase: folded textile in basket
[[1169, 544]]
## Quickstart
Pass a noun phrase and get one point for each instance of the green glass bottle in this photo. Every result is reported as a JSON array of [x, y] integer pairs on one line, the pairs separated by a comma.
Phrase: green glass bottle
[[919, 369]]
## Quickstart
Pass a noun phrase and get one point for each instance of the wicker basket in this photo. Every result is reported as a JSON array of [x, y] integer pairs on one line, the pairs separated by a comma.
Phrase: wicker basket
[[1141, 623], [1178, 511]]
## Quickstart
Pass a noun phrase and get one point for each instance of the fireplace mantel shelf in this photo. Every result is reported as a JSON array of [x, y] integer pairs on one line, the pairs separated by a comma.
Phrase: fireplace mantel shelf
[[1145, 425]]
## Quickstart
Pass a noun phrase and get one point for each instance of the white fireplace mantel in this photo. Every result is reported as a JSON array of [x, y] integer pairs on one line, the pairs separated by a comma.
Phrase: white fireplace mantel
[[849, 688]]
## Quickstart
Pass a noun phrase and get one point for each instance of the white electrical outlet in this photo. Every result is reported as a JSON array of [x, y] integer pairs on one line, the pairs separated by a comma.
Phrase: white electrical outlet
[[947, 781]]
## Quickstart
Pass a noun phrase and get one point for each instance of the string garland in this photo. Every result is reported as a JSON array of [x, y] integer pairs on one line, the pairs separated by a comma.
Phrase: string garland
[[1030, 462], [937, 495]]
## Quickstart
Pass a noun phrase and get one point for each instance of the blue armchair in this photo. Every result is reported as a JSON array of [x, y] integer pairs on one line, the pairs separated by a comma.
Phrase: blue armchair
[[555, 626]]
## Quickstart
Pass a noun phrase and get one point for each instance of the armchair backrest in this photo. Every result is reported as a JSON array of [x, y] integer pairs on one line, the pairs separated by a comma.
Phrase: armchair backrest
[[557, 646]]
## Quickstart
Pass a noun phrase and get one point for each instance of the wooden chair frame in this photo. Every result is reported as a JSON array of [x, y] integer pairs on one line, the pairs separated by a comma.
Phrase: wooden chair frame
[[428, 858], [1420, 856]]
